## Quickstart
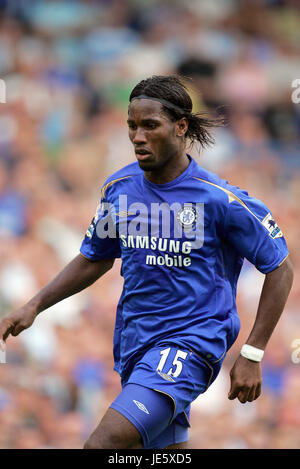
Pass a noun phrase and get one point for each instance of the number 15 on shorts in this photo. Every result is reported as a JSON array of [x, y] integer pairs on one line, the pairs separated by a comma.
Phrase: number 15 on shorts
[[177, 362]]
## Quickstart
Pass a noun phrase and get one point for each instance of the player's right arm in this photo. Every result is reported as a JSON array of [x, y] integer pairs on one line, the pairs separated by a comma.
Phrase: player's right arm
[[97, 255], [79, 274]]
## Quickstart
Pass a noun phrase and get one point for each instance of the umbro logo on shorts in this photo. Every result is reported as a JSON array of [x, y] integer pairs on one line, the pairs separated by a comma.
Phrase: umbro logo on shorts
[[165, 376], [141, 406]]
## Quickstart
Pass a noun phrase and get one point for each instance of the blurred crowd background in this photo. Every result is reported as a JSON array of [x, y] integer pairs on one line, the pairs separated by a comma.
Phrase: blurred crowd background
[[69, 67]]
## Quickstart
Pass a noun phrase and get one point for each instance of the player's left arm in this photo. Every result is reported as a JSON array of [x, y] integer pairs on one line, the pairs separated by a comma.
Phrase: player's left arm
[[251, 229], [246, 380]]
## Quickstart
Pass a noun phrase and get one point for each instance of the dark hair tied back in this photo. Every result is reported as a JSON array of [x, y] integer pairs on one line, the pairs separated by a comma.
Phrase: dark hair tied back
[[172, 89]]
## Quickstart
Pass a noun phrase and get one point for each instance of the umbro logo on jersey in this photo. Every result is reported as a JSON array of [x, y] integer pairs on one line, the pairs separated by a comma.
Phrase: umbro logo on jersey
[[124, 214], [165, 376], [141, 406]]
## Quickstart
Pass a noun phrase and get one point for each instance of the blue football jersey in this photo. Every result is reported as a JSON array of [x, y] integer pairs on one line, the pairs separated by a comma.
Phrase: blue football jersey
[[182, 246]]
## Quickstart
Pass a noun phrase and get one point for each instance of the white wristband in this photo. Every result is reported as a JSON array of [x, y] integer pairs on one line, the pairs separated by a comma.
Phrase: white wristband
[[252, 353]]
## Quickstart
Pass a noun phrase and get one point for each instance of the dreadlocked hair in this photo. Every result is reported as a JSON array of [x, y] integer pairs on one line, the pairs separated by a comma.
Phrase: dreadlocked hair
[[172, 89]]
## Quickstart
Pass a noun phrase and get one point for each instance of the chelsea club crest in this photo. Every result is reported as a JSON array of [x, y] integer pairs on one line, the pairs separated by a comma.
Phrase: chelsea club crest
[[187, 216]]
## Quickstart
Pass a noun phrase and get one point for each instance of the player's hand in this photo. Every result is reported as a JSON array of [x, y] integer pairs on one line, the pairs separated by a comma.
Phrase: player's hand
[[246, 380], [16, 322]]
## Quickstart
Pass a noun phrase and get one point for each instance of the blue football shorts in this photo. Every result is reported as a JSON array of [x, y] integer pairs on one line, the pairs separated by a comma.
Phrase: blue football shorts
[[157, 396]]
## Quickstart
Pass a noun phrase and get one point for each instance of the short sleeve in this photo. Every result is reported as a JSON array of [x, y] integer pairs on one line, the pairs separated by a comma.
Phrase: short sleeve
[[252, 231], [101, 239]]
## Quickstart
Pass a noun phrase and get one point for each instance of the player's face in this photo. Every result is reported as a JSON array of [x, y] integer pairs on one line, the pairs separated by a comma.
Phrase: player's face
[[155, 137]]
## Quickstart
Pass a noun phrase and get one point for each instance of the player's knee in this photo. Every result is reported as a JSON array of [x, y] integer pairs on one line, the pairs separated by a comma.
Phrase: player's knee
[[102, 441], [96, 442], [110, 440], [91, 444]]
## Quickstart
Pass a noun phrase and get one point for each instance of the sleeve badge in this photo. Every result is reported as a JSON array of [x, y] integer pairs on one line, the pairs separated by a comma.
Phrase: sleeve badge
[[272, 227]]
